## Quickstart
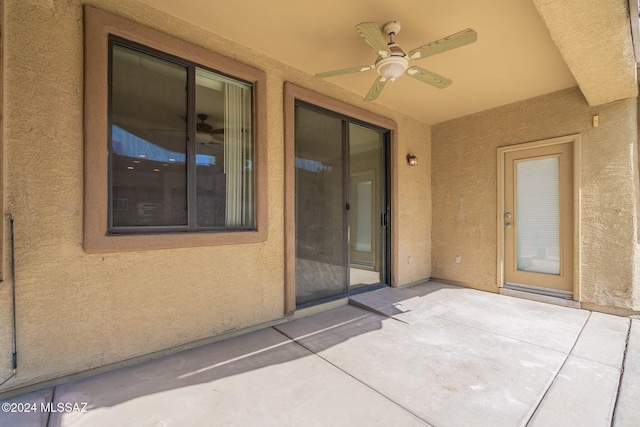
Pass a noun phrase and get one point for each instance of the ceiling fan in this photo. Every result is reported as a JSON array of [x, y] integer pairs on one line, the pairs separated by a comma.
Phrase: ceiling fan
[[203, 126], [392, 62], [207, 134]]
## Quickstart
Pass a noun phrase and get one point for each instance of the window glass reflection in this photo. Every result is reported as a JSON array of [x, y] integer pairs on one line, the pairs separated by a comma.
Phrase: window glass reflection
[[148, 140], [224, 187]]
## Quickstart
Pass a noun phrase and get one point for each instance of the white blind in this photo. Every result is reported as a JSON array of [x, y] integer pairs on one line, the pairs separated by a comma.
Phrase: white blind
[[538, 215], [238, 155]]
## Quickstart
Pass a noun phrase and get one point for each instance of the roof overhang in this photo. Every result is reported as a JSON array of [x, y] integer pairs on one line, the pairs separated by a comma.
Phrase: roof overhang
[[594, 38]]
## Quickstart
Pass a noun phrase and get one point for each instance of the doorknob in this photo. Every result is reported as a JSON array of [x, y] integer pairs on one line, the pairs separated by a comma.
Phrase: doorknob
[[508, 225]]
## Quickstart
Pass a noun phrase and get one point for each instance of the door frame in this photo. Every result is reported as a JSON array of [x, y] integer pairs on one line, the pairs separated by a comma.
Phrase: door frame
[[374, 218], [293, 93], [575, 140]]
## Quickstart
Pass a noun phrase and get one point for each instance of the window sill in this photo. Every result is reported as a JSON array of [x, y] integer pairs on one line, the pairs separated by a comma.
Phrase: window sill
[[144, 242]]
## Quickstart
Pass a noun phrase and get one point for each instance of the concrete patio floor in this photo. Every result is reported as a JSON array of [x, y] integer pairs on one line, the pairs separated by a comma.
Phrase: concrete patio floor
[[428, 355]]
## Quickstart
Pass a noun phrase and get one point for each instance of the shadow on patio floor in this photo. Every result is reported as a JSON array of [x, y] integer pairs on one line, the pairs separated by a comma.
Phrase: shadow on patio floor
[[432, 354]]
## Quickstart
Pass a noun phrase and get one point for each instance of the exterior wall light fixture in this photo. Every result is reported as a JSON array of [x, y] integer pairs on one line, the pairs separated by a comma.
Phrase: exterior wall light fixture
[[412, 160]]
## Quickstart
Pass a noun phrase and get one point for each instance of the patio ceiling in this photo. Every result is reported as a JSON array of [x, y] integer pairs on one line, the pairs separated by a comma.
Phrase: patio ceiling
[[517, 56]]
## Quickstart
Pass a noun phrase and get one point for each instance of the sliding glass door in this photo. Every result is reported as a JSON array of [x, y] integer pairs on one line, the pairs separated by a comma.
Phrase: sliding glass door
[[321, 259], [341, 206]]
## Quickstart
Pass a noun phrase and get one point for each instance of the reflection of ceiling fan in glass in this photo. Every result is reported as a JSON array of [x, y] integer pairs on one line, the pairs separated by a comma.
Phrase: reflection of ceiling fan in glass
[[392, 62], [207, 134]]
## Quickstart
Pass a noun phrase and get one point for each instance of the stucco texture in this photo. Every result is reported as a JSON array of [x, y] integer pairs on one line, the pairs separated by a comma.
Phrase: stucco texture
[[594, 39], [77, 311], [464, 156]]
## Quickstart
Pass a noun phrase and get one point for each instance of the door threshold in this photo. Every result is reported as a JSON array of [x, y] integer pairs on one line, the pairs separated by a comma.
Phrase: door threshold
[[310, 309], [563, 302]]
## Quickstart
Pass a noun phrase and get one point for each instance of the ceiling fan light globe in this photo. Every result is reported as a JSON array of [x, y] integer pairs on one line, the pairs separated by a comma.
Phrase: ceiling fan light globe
[[392, 67]]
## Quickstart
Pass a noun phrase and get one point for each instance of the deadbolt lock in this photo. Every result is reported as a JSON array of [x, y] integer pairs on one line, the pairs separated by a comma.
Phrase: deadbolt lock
[[508, 215]]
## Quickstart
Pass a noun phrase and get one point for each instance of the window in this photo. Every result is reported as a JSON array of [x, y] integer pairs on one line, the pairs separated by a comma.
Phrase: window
[[175, 134], [181, 149]]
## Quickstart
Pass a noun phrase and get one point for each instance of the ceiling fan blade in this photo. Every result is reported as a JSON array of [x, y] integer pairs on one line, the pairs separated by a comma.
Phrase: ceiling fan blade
[[429, 77], [376, 88], [453, 41], [371, 34], [345, 71]]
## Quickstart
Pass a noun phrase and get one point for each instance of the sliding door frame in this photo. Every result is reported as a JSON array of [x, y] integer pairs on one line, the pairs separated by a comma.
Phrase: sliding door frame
[[295, 95]]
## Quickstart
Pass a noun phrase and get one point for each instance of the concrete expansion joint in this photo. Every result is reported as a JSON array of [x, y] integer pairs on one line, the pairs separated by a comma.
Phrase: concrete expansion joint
[[53, 399], [355, 378], [546, 391], [622, 363]]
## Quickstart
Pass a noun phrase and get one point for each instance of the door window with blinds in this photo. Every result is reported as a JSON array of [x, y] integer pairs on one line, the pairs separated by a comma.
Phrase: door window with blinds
[[538, 207], [180, 145]]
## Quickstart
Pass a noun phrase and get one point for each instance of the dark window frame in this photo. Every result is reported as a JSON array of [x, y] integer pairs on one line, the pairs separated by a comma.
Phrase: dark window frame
[[190, 66]]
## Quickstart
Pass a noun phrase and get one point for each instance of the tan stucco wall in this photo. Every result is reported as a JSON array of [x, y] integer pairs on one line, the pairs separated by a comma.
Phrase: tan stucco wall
[[77, 311], [464, 156], [414, 206]]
